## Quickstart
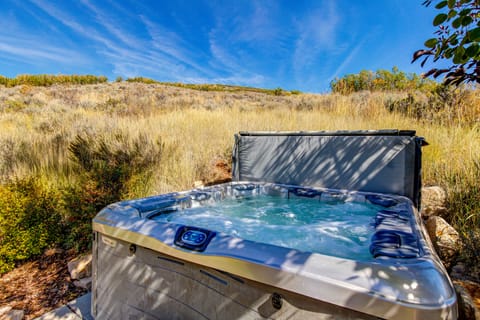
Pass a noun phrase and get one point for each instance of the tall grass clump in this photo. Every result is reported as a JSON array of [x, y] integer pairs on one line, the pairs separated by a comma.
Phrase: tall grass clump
[[463, 196]]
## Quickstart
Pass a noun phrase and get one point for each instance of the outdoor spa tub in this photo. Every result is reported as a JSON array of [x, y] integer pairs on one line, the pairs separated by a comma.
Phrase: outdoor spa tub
[[314, 225]]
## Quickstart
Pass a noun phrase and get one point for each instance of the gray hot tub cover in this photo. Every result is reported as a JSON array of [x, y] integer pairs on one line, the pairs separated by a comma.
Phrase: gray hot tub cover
[[385, 161]]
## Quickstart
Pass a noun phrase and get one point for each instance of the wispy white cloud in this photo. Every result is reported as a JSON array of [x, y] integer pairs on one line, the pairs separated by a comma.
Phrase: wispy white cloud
[[128, 54], [317, 33], [62, 16], [31, 47], [27, 50], [351, 55], [174, 48], [228, 62], [222, 56], [241, 37], [260, 26], [112, 25], [158, 51]]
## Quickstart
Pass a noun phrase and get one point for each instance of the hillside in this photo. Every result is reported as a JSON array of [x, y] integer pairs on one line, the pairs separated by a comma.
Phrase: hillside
[[68, 150]]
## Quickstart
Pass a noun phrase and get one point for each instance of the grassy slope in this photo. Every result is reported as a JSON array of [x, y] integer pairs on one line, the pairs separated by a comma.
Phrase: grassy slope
[[37, 124]]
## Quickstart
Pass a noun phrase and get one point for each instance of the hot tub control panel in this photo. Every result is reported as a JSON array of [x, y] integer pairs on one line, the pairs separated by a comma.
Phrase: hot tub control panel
[[193, 238]]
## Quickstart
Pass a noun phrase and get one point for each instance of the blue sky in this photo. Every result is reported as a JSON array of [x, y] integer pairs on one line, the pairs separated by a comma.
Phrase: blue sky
[[300, 45]]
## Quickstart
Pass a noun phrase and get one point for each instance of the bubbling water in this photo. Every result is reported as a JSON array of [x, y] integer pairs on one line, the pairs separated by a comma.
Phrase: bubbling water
[[341, 229]]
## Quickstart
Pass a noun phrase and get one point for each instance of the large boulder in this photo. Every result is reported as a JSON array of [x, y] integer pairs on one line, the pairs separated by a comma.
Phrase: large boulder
[[80, 267], [445, 238], [434, 201]]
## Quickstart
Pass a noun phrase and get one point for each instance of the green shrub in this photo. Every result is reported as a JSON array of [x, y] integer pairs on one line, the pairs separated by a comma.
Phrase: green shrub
[[48, 79], [381, 80], [30, 221], [277, 91], [411, 106], [142, 80], [443, 104], [110, 169]]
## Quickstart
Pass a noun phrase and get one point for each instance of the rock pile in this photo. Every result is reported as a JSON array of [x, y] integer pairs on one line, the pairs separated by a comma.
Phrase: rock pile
[[447, 244], [445, 238], [80, 270]]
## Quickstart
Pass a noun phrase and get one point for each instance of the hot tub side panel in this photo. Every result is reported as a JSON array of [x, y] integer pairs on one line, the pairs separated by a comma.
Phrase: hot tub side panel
[[132, 281]]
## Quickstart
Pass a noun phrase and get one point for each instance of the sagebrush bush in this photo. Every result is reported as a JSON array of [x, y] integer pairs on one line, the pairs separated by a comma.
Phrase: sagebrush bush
[[30, 220], [444, 104], [110, 169]]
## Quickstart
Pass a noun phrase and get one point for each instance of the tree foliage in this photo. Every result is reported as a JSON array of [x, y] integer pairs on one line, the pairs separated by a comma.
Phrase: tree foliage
[[46, 80], [457, 39], [381, 80]]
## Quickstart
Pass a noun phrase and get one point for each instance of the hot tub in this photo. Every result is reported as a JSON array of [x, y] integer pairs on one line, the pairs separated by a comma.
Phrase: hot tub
[[265, 249]]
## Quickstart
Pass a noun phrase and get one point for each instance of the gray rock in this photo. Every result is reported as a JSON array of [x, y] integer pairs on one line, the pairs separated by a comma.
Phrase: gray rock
[[445, 239], [80, 267], [434, 200], [85, 283], [7, 313], [458, 271], [4, 310]]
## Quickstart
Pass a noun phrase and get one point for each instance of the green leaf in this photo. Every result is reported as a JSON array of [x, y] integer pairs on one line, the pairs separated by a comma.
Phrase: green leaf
[[430, 43], [451, 3], [437, 53], [457, 22], [473, 50], [474, 34], [466, 20], [452, 14], [442, 4], [452, 39], [448, 53], [465, 12], [439, 19], [457, 59], [459, 55], [460, 51]]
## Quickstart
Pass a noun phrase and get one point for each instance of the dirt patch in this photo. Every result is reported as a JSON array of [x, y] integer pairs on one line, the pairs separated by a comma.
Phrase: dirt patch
[[221, 172], [474, 289], [39, 286]]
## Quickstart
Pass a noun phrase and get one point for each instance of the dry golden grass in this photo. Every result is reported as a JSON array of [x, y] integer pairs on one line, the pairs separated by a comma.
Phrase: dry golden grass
[[38, 124], [197, 127]]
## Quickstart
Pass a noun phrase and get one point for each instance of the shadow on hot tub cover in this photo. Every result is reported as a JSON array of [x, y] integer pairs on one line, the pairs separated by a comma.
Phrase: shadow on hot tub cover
[[385, 161]]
